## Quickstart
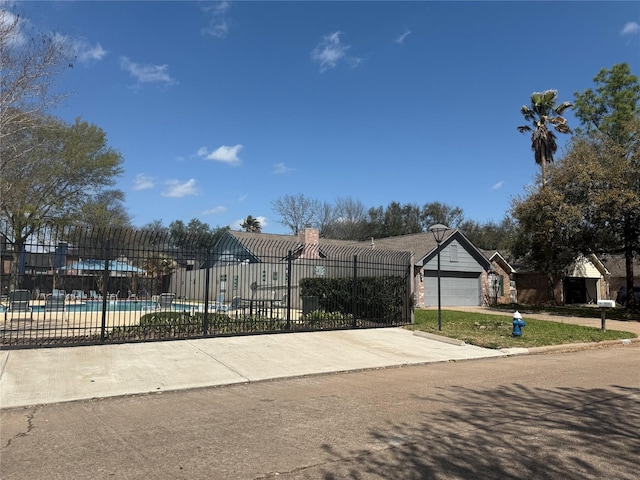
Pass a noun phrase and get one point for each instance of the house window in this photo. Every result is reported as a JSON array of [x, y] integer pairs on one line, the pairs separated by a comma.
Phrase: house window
[[264, 276], [223, 277], [453, 250], [235, 281], [501, 285], [274, 276]]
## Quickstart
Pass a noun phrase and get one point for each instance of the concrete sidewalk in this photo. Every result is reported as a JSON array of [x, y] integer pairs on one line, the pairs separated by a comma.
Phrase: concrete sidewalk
[[51, 375]]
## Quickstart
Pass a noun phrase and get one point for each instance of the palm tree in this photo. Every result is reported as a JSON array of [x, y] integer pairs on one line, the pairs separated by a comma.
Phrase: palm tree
[[252, 225], [544, 111]]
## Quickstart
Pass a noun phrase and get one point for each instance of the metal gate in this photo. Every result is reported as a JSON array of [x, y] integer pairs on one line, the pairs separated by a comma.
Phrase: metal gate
[[80, 287]]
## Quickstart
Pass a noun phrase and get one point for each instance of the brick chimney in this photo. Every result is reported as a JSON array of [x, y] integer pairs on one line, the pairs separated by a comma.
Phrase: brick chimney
[[309, 236]]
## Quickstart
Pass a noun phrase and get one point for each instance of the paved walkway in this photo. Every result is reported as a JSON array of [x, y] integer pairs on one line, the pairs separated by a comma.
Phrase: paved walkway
[[625, 326], [51, 375]]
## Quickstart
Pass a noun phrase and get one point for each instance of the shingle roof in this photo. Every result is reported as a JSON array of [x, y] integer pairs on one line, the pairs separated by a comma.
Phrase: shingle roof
[[263, 245]]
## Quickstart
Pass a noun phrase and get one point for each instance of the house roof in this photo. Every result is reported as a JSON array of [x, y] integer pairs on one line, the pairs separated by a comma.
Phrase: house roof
[[496, 256], [264, 245], [422, 246], [417, 243]]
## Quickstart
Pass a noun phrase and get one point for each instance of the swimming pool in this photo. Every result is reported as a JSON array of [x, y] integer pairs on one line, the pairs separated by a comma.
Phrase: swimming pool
[[117, 306]]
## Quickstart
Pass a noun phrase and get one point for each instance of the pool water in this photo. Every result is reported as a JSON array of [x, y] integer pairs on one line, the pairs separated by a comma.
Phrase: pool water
[[116, 306]]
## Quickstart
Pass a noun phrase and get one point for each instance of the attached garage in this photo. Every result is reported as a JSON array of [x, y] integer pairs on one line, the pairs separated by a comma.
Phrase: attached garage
[[456, 291], [463, 269]]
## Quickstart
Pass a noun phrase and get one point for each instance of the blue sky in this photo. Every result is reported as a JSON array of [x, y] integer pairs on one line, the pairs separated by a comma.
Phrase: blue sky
[[219, 108]]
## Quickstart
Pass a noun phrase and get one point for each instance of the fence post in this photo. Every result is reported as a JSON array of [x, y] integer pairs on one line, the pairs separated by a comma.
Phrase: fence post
[[207, 282], [289, 269], [105, 285], [411, 293], [354, 290]]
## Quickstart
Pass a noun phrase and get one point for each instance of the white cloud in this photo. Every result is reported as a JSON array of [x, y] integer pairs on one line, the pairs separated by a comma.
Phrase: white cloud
[[400, 39], [242, 198], [85, 52], [147, 73], [218, 25], [143, 182], [329, 51], [225, 154], [498, 185], [176, 189], [215, 210], [630, 28], [281, 168]]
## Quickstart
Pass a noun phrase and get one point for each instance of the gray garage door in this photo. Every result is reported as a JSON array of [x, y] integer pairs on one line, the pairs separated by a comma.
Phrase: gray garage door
[[456, 291]]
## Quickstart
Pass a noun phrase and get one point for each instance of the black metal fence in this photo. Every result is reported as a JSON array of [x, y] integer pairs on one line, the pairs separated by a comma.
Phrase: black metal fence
[[78, 287]]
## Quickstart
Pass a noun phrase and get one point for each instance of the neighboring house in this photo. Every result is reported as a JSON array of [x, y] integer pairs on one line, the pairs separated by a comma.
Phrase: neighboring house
[[464, 270], [255, 266], [616, 265], [585, 281]]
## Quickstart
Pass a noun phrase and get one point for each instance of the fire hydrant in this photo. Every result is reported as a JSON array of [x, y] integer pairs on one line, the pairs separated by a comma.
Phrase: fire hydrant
[[518, 323]]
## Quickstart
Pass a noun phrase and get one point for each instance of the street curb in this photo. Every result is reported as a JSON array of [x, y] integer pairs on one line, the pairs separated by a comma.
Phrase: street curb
[[439, 338], [569, 347]]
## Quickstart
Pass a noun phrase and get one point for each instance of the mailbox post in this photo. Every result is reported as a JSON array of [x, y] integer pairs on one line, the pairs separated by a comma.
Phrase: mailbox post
[[604, 304]]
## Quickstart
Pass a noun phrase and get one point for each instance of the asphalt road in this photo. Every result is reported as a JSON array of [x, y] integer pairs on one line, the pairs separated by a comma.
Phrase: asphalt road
[[553, 416]]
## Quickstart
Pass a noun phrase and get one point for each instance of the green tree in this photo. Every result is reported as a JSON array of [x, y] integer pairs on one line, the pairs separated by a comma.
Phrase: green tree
[[547, 227], [591, 204], [251, 225], [66, 169], [491, 235], [437, 212], [105, 210], [615, 101], [195, 234], [610, 117], [542, 113]]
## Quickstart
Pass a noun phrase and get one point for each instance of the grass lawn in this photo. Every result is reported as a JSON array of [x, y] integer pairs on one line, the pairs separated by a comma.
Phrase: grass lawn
[[590, 311], [494, 331]]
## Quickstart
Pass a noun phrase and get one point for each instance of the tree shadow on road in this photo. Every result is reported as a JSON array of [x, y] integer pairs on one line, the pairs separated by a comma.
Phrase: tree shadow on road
[[510, 432]]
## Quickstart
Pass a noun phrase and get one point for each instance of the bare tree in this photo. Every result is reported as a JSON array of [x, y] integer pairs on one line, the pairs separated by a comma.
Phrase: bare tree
[[297, 211], [349, 220], [29, 62]]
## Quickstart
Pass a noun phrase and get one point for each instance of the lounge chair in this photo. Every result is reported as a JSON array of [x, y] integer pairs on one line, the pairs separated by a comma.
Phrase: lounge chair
[[19, 302], [219, 305], [165, 300], [55, 303], [236, 303], [93, 295]]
